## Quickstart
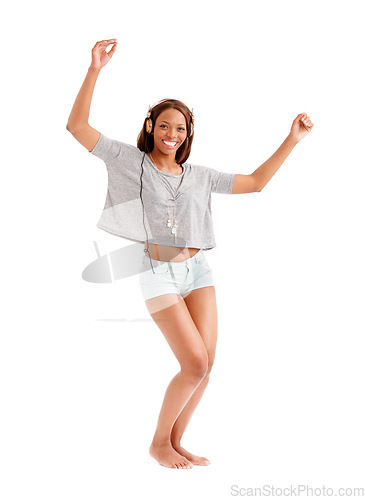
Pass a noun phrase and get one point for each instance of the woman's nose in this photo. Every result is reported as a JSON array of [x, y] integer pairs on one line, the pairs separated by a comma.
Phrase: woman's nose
[[171, 134]]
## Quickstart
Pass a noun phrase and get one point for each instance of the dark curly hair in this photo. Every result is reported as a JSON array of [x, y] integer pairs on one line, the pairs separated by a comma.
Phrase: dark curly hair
[[183, 152]]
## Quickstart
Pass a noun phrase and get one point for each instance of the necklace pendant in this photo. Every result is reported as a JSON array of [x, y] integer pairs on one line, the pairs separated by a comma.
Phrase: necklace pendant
[[169, 224], [173, 228]]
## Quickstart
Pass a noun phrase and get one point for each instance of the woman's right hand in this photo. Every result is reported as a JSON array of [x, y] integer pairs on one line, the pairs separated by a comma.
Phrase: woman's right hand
[[99, 56]]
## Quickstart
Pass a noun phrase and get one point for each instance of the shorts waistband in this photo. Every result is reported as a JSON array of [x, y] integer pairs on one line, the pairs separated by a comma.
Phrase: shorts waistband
[[194, 258]]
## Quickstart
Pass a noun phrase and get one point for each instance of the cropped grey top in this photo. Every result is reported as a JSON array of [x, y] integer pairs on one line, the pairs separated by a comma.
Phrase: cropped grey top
[[187, 195]]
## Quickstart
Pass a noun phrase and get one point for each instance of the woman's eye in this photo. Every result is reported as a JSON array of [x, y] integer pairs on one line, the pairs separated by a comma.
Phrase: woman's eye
[[180, 128]]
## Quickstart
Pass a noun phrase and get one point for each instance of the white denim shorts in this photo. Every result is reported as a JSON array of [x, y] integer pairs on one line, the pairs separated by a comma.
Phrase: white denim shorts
[[174, 277]]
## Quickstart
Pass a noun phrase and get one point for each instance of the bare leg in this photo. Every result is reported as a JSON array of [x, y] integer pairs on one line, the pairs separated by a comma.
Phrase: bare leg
[[184, 339], [203, 310], [182, 422]]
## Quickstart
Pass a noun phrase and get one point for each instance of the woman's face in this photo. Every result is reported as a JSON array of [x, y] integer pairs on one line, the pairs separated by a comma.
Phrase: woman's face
[[170, 131]]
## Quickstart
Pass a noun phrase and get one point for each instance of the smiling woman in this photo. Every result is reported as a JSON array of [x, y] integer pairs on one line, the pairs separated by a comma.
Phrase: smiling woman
[[171, 121], [154, 182]]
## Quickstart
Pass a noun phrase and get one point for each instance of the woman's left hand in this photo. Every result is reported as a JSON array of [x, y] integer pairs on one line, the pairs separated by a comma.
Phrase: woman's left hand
[[302, 125]]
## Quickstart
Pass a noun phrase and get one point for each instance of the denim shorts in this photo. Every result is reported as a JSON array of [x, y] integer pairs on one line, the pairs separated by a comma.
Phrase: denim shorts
[[174, 277]]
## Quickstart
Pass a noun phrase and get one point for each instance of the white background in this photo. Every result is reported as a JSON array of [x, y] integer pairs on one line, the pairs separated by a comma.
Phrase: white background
[[81, 396]]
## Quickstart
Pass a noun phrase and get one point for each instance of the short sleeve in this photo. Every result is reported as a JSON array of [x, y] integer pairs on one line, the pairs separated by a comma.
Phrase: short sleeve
[[106, 149], [221, 182]]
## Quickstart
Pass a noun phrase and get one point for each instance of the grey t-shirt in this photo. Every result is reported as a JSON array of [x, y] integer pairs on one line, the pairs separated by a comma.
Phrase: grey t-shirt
[[190, 192]]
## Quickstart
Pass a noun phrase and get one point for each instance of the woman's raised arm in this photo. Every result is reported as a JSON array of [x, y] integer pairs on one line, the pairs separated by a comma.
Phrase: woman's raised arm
[[78, 121]]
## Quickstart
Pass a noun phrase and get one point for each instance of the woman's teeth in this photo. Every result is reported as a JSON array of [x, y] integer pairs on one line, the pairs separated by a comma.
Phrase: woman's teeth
[[168, 143]]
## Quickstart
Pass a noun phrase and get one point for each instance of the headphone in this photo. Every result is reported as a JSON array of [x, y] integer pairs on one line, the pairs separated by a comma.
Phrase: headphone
[[149, 128]]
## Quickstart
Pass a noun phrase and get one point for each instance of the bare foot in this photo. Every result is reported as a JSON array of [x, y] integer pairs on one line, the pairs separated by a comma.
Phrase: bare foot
[[168, 457], [194, 459]]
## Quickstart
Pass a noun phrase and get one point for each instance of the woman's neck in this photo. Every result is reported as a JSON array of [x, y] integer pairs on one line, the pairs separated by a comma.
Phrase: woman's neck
[[164, 162]]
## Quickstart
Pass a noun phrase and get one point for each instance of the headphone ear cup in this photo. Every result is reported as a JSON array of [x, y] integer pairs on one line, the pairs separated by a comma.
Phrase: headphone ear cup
[[149, 126], [191, 125]]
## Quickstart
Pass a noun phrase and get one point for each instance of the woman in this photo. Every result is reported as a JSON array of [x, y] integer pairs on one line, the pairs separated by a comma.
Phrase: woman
[[175, 279]]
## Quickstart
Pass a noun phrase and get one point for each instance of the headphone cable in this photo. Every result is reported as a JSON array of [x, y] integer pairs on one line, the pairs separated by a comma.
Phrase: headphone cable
[[140, 195]]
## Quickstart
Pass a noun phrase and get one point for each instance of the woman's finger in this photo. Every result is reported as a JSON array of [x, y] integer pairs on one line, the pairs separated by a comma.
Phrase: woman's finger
[[102, 48], [102, 43], [307, 122], [107, 42]]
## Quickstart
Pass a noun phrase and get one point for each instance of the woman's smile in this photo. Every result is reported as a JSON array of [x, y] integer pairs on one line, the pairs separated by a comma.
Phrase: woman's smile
[[170, 144]]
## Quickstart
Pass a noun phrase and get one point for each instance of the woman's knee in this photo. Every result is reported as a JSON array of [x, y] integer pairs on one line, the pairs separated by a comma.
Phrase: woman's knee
[[196, 366]]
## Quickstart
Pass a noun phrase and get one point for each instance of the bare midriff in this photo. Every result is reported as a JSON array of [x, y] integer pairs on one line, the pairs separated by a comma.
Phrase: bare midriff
[[168, 253]]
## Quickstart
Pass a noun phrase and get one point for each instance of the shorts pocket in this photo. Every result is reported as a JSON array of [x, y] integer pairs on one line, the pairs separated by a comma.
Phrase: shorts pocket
[[201, 268], [202, 261], [199, 258], [159, 269]]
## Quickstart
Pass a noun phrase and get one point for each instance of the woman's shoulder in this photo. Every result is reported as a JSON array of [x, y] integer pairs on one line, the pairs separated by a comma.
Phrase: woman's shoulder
[[198, 169], [109, 148]]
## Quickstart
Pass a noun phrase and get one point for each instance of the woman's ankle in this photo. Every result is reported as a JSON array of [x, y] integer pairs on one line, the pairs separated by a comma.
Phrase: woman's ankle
[[160, 440], [175, 441]]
